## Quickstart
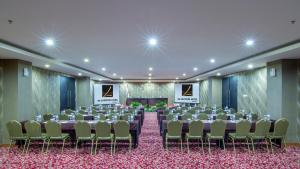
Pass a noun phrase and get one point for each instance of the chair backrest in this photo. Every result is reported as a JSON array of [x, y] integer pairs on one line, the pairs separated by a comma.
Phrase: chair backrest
[[125, 116], [221, 116], [47, 116], [281, 126], [170, 117], [187, 116], [82, 129], [174, 128], [217, 128], [63, 117], [33, 129], [243, 128], [262, 127], [103, 129], [94, 111], [102, 116], [14, 128], [83, 108], [121, 128], [192, 111], [53, 129], [254, 116], [68, 111], [196, 128], [79, 117], [207, 111], [239, 115], [203, 116]]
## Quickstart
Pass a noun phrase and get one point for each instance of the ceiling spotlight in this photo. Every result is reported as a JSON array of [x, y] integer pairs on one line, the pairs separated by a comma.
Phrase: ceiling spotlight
[[114, 74], [86, 60], [150, 68], [212, 61], [152, 41], [103, 69], [49, 42], [149, 74], [183, 74], [249, 42], [195, 68], [218, 74], [100, 79], [149, 78], [121, 78], [176, 78], [47, 65], [250, 66], [79, 74], [198, 79]]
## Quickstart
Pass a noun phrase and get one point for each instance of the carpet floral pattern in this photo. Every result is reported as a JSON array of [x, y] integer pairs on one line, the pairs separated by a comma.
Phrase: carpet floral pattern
[[149, 154]]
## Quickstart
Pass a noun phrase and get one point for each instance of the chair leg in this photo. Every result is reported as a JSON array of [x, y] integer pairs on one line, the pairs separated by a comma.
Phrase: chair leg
[[209, 145], [270, 140], [62, 149], [248, 145], [43, 145], [252, 145], [202, 145], [111, 146], [27, 146], [233, 145], [266, 141], [187, 145], [130, 145], [284, 143], [96, 146], [92, 147], [76, 146], [24, 147], [166, 144], [47, 145], [10, 143], [115, 146], [223, 144], [181, 145]]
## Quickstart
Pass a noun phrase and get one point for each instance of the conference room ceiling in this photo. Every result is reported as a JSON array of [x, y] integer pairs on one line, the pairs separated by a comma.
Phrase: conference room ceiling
[[114, 34]]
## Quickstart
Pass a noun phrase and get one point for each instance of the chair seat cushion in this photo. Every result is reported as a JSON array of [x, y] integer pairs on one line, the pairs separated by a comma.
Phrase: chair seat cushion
[[235, 136], [214, 137], [123, 138], [42, 137], [172, 137], [252, 136], [62, 137], [271, 136], [105, 138], [192, 137], [87, 138]]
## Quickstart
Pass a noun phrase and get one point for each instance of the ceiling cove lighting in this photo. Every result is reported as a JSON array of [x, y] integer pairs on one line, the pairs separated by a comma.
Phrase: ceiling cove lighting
[[79, 74], [250, 42], [47, 65], [121, 78], [212, 60], [49, 42], [86, 60], [195, 69], [150, 68], [152, 42], [114, 74], [250, 66], [183, 74]]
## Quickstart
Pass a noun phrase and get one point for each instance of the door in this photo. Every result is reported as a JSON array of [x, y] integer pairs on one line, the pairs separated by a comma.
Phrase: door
[[67, 93], [229, 92]]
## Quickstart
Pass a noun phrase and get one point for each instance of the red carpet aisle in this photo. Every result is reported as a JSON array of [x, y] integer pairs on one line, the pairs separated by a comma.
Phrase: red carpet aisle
[[150, 154]]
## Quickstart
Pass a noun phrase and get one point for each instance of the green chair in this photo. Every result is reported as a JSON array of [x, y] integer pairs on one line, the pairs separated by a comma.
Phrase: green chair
[[81, 112], [121, 129], [195, 132], [217, 132], [221, 116], [203, 116], [15, 133], [63, 117], [242, 131], [47, 116], [174, 132], [187, 116], [170, 117], [261, 132], [125, 116], [83, 133], [207, 112], [239, 115], [79, 117], [103, 132], [53, 132], [232, 110], [166, 112], [254, 116], [34, 133], [68, 111], [82, 107], [280, 129], [102, 116], [94, 112], [109, 116]]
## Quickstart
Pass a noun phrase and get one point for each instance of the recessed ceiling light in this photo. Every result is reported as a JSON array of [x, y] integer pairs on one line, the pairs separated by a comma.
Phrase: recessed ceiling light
[[114, 74], [195, 68], [100, 79], [149, 78], [218, 74], [149, 74], [152, 41], [47, 65], [150, 68], [49, 42], [176, 78], [250, 42], [79, 74], [212, 60], [121, 78], [86, 60], [103, 69], [197, 79], [183, 74], [250, 66]]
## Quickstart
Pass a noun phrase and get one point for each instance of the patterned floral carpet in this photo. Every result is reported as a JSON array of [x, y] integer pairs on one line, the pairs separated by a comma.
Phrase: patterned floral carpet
[[150, 154]]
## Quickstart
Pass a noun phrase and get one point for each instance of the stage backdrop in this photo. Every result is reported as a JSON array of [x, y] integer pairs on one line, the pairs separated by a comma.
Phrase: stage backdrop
[[106, 93], [187, 93]]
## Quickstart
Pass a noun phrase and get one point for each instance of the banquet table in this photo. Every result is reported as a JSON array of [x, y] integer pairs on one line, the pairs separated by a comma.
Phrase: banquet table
[[68, 127], [230, 127]]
